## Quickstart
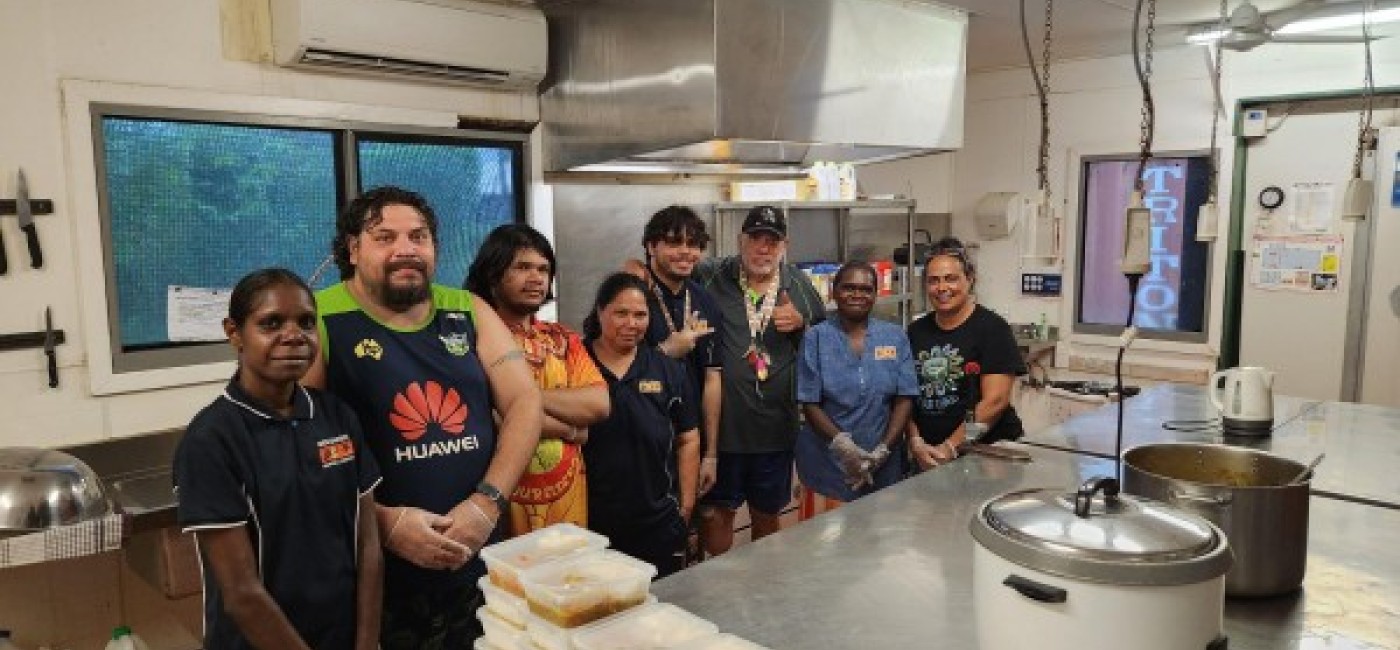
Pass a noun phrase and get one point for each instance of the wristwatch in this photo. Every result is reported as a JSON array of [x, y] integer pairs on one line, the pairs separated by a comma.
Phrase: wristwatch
[[494, 494]]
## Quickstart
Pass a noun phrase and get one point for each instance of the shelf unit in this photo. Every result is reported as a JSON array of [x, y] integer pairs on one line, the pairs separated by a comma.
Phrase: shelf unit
[[729, 214]]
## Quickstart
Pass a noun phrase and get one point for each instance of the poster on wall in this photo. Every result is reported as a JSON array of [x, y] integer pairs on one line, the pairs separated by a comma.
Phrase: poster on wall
[[1313, 207], [1309, 263]]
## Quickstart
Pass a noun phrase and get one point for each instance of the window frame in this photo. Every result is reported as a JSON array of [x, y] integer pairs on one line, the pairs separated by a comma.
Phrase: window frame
[[1081, 218], [114, 370]]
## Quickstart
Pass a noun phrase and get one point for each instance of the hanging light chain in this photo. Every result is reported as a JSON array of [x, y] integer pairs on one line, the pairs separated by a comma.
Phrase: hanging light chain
[[1148, 110], [1214, 181], [1363, 127], [1043, 170]]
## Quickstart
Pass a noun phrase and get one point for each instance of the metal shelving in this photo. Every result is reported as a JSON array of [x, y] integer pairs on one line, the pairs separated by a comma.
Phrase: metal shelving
[[845, 210]]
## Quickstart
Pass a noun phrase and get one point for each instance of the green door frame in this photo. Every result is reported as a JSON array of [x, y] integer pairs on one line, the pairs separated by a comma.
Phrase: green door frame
[[1233, 312]]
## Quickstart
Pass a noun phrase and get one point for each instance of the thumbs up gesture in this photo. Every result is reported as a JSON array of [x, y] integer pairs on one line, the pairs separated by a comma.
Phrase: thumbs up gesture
[[786, 318]]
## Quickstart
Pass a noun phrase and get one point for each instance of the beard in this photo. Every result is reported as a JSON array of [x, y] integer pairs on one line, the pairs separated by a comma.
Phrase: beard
[[403, 298]]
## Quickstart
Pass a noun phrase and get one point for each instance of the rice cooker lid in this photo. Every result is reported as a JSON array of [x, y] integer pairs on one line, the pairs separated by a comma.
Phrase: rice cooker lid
[[1124, 540]]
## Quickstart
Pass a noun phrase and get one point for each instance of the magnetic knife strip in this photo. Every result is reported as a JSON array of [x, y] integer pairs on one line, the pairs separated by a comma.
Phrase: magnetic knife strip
[[26, 340], [38, 206]]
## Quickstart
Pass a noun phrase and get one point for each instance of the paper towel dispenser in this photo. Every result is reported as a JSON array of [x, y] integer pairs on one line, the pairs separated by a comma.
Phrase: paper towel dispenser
[[993, 215]]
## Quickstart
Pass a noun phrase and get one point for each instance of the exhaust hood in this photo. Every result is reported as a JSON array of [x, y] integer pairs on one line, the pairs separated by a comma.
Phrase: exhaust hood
[[749, 86]]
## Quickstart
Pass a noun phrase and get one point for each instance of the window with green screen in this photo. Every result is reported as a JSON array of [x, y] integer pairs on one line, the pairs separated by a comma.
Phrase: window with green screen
[[472, 190], [194, 200]]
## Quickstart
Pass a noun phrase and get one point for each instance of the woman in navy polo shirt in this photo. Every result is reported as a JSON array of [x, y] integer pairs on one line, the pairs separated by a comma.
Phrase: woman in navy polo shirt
[[650, 437], [272, 479]]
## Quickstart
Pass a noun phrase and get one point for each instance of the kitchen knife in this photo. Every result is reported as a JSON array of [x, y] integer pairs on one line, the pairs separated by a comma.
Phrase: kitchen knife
[[26, 222], [49, 344]]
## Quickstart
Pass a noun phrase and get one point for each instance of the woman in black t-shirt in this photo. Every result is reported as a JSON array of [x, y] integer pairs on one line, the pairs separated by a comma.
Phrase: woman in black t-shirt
[[965, 360], [650, 440]]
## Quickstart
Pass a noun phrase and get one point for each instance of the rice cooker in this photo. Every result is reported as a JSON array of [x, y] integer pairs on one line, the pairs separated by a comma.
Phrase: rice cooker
[[1092, 571]]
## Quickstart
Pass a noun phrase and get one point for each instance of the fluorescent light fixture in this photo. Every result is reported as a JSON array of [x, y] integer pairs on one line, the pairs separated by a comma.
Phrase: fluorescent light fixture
[[1206, 35], [1325, 23]]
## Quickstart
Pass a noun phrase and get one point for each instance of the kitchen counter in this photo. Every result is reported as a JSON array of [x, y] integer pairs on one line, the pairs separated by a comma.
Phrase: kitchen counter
[[1094, 432], [894, 570], [1362, 441]]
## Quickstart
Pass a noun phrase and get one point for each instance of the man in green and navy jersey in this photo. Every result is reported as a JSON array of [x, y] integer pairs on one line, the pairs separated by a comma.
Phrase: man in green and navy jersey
[[423, 366]]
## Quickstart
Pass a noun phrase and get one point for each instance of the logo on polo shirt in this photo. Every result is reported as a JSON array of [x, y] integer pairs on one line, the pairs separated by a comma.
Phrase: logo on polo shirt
[[337, 450], [420, 407], [456, 343], [369, 348]]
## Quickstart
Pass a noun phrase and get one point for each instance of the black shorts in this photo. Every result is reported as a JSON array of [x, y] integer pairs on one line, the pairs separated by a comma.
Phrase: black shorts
[[763, 480]]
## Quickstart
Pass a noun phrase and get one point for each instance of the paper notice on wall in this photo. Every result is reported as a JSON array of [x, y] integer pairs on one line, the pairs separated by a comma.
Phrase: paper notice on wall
[[1313, 210], [1298, 262], [195, 314]]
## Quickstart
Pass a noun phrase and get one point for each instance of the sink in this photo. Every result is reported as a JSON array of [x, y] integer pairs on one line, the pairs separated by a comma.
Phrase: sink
[[136, 472], [140, 494]]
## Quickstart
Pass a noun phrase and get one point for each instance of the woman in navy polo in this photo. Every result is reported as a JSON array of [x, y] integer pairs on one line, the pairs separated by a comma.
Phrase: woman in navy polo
[[272, 478], [649, 442]]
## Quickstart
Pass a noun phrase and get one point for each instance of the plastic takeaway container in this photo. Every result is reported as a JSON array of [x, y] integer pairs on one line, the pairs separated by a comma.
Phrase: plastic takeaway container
[[498, 631], [655, 626], [720, 642], [502, 603], [505, 560], [583, 588], [543, 635]]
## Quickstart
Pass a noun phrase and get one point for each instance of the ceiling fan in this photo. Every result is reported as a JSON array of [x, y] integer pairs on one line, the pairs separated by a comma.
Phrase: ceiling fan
[[1248, 28]]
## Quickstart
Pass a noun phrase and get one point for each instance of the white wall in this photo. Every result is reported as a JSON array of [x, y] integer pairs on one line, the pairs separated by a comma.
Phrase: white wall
[[1095, 110], [142, 51]]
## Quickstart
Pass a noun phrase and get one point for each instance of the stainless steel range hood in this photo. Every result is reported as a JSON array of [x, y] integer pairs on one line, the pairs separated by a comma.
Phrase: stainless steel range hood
[[749, 85]]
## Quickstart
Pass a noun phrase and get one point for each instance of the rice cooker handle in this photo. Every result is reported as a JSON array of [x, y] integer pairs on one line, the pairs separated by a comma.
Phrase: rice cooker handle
[[1033, 590], [1084, 499]]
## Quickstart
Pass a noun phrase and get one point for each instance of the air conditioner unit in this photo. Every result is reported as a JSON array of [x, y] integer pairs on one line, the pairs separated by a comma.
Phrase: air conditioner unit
[[444, 41]]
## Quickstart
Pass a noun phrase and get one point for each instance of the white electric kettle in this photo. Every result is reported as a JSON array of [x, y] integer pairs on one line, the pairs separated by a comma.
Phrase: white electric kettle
[[1245, 398]]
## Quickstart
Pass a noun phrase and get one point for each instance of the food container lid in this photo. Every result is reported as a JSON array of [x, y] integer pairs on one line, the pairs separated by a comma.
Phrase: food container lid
[[543, 545], [1123, 540], [596, 574], [720, 642], [655, 625]]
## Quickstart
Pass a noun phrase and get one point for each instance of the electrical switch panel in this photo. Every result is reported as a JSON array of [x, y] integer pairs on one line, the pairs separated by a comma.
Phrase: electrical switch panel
[[1041, 284]]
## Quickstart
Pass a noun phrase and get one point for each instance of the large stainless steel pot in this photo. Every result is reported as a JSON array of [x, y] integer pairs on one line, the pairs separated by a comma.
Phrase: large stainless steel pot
[[1247, 493], [1073, 571], [42, 488]]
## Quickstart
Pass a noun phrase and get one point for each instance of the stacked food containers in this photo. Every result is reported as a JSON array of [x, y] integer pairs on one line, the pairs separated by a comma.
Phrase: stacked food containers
[[561, 588]]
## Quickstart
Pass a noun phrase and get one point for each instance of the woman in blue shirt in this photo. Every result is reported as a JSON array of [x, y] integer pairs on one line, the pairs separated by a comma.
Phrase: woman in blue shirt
[[855, 381]]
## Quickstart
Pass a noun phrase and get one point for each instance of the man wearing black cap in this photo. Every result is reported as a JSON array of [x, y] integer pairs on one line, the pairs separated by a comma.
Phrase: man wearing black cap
[[766, 304]]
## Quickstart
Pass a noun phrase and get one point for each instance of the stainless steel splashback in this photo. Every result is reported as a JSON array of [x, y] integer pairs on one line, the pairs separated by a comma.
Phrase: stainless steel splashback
[[731, 85], [596, 227]]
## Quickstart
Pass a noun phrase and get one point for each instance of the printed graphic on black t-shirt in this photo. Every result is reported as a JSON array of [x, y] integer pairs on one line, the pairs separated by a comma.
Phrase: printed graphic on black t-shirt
[[940, 372]]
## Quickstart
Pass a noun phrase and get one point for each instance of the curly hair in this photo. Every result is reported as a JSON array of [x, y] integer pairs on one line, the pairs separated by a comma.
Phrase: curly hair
[[675, 222], [366, 211], [497, 253]]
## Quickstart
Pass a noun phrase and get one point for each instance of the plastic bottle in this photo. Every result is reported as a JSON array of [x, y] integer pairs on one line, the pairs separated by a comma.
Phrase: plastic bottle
[[846, 173], [1042, 331], [124, 639], [5, 642]]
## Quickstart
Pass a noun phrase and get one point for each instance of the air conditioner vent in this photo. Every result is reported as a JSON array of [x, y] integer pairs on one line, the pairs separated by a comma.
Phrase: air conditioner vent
[[384, 65]]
